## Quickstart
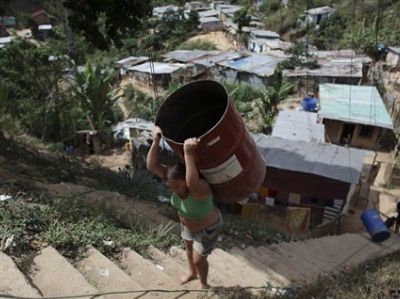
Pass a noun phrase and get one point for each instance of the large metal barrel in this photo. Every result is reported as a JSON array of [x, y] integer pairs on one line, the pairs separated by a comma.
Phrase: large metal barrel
[[226, 156]]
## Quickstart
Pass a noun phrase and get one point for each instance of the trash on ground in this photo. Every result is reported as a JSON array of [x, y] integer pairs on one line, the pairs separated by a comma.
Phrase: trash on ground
[[4, 197], [104, 272]]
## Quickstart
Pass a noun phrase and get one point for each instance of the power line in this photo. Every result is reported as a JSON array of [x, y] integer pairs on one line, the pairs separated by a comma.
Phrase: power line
[[279, 290], [151, 56]]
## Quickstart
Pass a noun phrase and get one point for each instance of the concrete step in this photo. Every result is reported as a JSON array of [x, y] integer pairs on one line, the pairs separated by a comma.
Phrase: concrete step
[[248, 276], [372, 250], [108, 277], [291, 257], [12, 280], [53, 275], [338, 251], [174, 270], [249, 256], [281, 264], [305, 252], [147, 274], [215, 278]]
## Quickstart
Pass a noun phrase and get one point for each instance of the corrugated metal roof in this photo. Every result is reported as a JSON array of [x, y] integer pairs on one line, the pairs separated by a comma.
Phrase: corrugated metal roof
[[322, 159], [341, 67], [160, 10], [320, 10], [273, 44], [395, 49], [298, 125], [208, 13], [354, 104], [159, 67], [211, 60], [188, 55], [209, 19], [333, 53], [261, 65], [5, 40], [229, 8], [131, 60], [264, 33]]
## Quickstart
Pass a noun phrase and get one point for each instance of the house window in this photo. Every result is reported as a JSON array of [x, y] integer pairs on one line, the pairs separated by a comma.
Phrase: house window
[[366, 131]]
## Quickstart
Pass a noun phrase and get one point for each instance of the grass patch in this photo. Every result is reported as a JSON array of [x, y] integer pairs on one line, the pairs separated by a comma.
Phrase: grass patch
[[238, 231], [69, 225], [373, 279], [31, 160]]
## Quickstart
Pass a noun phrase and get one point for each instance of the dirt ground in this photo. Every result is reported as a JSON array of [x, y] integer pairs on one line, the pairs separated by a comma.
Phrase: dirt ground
[[114, 159], [146, 90], [218, 38]]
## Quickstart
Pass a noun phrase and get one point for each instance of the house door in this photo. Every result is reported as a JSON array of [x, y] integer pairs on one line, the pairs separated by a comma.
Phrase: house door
[[347, 134]]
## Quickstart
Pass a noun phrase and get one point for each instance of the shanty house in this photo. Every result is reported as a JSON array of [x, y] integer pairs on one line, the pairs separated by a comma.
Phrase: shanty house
[[187, 56], [319, 176], [316, 15], [227, 11], [164, 74], [159, 11], [258, 38], [355, 116], [208, 13], [393, 57], [341, 67], [211, 24], [210, 60], [40, 17], [199, 70], [138, 132], [204, 62], [254, 69], [196, 5], [298, 125], [124, 64], [8, 21]]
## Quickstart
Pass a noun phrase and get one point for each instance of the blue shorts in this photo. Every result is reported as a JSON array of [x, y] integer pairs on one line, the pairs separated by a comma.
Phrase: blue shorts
[[205, 240]]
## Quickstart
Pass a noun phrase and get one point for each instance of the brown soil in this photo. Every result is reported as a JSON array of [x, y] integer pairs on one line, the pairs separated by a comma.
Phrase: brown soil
[[219, 38], [114, 159]]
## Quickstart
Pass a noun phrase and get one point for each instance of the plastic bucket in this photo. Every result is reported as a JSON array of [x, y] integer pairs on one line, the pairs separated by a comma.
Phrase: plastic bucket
[[375, 226], [310, 104], [227, 155]]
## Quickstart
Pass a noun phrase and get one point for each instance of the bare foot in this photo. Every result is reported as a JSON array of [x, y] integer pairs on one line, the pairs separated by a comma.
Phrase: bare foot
[[188, 277], [204, 286]]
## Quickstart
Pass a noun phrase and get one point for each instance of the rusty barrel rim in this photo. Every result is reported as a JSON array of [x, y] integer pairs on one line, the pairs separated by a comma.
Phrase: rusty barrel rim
[[173, 95]]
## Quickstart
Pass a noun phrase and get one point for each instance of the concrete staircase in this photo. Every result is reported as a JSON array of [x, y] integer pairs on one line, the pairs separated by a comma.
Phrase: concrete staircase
[[50, 274]]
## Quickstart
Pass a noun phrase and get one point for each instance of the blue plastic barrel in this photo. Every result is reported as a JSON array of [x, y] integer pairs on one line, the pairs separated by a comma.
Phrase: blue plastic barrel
[[375, 226], [309, 103]]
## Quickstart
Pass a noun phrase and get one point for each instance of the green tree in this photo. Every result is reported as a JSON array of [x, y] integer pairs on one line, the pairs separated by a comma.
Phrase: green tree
[[139, 104], [8, 124], [328, 34], [242, 18], [95, 94], [4, 6], [106, 22], [253, 104], [34, 87], [278, 91], [299, 57]]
